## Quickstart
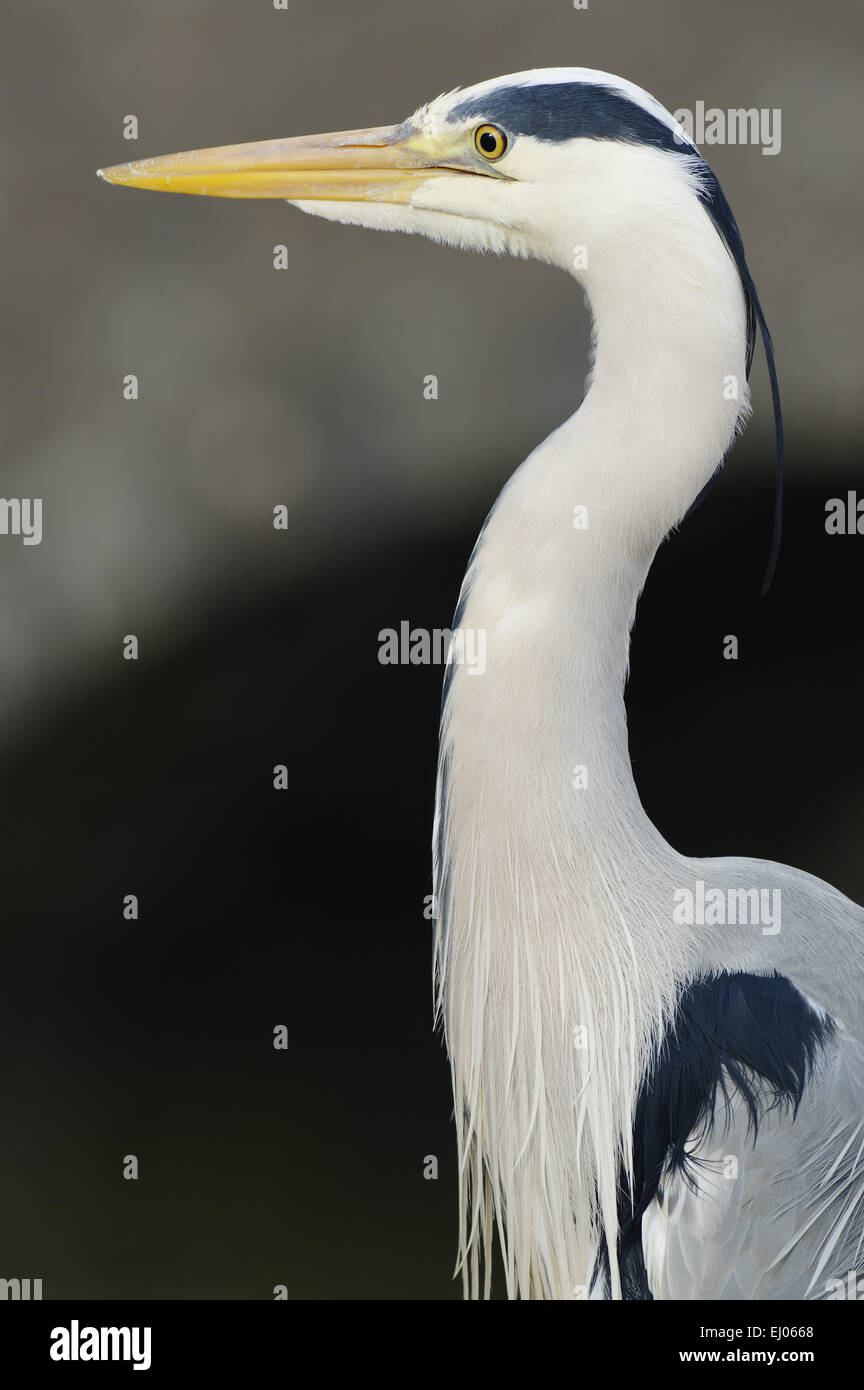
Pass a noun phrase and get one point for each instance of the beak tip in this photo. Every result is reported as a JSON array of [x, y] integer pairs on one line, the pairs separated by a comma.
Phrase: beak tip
[[117, 174]]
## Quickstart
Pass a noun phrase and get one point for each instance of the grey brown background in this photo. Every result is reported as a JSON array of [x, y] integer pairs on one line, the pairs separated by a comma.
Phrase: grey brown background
[[304, 387]]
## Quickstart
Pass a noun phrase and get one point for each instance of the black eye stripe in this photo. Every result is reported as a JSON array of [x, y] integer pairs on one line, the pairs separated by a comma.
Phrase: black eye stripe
[[567, 110]]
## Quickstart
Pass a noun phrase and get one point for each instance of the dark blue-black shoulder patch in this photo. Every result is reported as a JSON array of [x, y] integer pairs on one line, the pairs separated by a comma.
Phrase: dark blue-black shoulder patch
[[754, 1036]]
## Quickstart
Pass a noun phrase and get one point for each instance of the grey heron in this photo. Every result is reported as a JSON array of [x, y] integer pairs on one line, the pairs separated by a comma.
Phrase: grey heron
[[657, 1060]]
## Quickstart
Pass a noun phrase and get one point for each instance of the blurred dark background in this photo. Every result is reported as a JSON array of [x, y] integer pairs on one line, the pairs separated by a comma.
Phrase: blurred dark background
[[258, 647]]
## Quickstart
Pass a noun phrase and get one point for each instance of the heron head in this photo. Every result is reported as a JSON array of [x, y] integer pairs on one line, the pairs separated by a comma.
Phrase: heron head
[[541, 164], [566, 165]]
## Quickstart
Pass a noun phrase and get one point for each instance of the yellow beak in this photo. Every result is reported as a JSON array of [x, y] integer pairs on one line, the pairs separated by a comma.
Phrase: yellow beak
[[385, 165]]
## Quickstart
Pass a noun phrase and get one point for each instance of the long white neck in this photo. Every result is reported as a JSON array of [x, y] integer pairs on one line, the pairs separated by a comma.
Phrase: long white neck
[[554, 974]]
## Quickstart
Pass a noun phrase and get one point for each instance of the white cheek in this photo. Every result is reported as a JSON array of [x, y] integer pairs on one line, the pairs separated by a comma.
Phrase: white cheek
[[379, 216], [464, 195], [451, 228]]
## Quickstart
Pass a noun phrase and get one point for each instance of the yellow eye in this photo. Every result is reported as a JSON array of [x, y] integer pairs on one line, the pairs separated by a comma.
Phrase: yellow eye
[[490, 141]]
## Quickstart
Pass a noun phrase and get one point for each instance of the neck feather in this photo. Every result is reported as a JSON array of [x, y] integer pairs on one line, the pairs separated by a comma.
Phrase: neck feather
[[554, 979]]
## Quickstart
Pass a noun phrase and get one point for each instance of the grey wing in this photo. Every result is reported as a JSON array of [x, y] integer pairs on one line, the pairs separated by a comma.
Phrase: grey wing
[[781, 1218]]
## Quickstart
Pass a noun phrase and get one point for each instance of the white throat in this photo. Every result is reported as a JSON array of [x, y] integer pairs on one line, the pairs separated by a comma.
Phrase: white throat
[[548, 872]]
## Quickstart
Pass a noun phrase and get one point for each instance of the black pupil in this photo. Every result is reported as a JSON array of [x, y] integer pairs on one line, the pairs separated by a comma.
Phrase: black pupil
[[488, 142]]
